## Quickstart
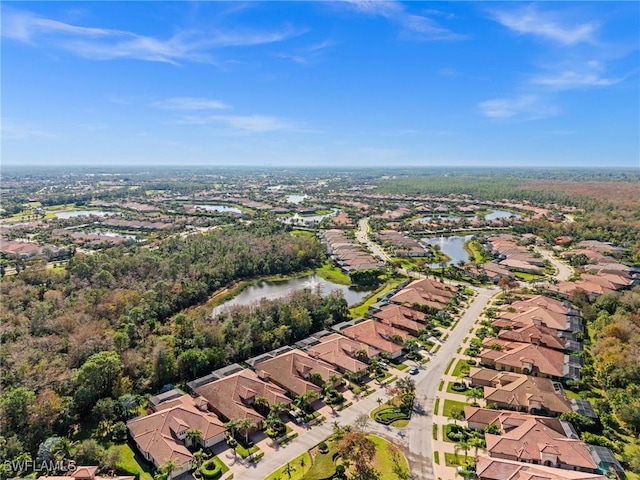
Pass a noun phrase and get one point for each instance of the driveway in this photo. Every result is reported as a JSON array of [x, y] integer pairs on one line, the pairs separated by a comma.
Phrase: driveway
[[415, 440]]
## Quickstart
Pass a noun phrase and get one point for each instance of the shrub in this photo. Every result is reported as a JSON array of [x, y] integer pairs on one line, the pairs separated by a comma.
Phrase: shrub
[[323, 447]]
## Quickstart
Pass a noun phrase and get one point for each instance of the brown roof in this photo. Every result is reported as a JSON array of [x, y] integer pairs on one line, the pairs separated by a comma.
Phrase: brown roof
[[341, 352], [541, 315], [85, 473], [402, 317], [156, 434], [515, 354], [507, 420], [533, 333], [376, 334], [292, 369], [499, 469], [233, 395], [516, 390], [528, 441]]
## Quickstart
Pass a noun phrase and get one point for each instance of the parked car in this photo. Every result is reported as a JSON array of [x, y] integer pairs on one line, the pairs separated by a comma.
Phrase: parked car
[[383, 365], [413, 370]]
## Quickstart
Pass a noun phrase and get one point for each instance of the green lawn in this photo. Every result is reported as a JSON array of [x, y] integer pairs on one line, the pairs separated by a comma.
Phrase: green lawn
[[331, 273], [360, 310], [451, 390], [450, 404], [384, 462], [131, 463], [449, 366], [436, 406], [297, 470], [453, 460], [323, 466], [459, 366], [436, 458], [528, 277], [245, 452]]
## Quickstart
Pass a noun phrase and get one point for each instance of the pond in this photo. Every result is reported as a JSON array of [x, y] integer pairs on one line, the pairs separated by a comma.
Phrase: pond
[[428, 218], [219, 208], [500, 214], [298, 219], [296, 198], [452, 246], [83, 213], [109, 233], [273, 290]]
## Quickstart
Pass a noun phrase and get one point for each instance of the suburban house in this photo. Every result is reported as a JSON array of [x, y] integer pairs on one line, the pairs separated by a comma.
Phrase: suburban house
[[86, 473], [479, 418], [162, 436], [538, 334], [533, 442], [519, 392], [488, 468], [345, 354], [401, 317], [530, 359], [520, 314], [233, 396], [426, 292], [293, 371], [378, 335]]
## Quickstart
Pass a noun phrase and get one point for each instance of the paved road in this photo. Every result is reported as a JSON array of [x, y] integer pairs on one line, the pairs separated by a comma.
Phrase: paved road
[[420, 428], [416, 439], [363, 237], [564, 270]]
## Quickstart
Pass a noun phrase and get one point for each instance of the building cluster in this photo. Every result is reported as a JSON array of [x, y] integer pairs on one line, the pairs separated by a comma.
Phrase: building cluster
[[514, 257], [401, 245], [524, 367], [348, 253]]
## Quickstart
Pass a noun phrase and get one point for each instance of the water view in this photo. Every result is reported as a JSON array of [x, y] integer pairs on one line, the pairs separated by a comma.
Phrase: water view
[[453, 247], [500, 214], [296, 198], [83, 213], [219, 208], [308, 219], [272, 290], [428, 218]]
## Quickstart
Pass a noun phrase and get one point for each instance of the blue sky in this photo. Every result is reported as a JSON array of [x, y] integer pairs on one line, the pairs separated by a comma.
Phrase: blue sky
[[354, 83]]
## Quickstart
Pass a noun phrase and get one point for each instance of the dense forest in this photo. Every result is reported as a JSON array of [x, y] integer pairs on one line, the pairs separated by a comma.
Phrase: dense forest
[[107, 325]]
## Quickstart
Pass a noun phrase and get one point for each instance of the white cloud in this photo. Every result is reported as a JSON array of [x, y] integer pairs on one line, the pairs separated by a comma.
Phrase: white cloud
[[190, 103], [529, 20], [307, 55], [529, 107], [246, 123], [12, 130], [108, 44], [396, 12], [588, 74]]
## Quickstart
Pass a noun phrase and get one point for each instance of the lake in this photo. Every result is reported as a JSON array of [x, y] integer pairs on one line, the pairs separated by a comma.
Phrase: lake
[[452, 246], [296, 198], [273, 290], [83, 213], [428, 218], [298, 219], [219, 208], [500, 214]]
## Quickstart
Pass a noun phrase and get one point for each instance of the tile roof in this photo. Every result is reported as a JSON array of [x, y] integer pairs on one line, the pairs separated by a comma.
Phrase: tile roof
[[341, 351], [156, 434], [401, 317], [376, 334], [499, 469], [292, 369], [532, 438], [516, 354], [231, 395]]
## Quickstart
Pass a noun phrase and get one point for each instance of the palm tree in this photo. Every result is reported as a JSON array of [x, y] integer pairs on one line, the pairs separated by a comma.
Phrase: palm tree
[[477, 442], [406, 385], [474, 394], [288, 469], [63, 449], [245, 424], [303, 401], [193, 436], [261, 403], [168, 468], [463, 445], [232, 426], [277, 409], [361, 354], [456, 414], [198, 456], [379, 400], [315, 378]]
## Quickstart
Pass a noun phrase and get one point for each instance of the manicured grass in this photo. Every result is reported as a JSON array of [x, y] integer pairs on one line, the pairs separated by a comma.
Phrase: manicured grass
[[451, 390], [441, 385], [450, 404], [130, 463], [400, 366], [451, 460], [459, 366], [435, 406], [435, 431], [449, 366], [436, 458], [572, 394], [297, 471], [217, 466], [332, 273], [528, 277], [323, 466], [245, 452], [385, 463], [360, 310], [302, 233]]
